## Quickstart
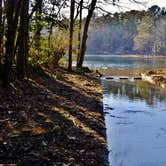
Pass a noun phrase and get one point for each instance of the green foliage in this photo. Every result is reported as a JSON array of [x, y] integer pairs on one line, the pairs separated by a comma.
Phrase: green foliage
[[159, 37], [51, 50], [36, 24], [144, 29]]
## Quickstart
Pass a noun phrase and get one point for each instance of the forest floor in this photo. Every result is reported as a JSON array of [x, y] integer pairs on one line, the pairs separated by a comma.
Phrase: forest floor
[[53, 118]]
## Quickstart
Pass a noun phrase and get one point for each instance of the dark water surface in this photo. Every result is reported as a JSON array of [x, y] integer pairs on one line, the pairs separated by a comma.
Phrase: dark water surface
[[122, 62], [135, 116]]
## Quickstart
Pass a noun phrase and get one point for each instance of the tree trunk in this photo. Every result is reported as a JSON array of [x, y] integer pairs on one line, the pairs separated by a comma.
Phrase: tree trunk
[[79, 32], [9, 45], [85, 33], [50, 33], [12, 15], [50, 36], [71, 33], [1, 26], [37, 35], [23, 39]]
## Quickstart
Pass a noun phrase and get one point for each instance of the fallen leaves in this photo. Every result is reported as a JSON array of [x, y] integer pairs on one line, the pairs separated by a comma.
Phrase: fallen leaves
[[48, 118]]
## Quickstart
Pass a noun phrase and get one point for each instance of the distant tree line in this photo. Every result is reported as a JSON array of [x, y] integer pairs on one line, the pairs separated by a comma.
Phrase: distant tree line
[[132, 32]]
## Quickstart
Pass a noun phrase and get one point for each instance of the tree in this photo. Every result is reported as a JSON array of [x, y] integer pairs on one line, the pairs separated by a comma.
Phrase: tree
[[38, 20], [159, 37], [143, 39], [85, 33], [155, 10], [1, 25], [1, 38], [72, 7], [12, 14], [23, 39], [79, 31]]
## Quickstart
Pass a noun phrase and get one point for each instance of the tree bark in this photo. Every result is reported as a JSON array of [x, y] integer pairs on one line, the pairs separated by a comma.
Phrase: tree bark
[[23, 39], [1, 26], [79, 32], [37, 35], [1, 30], [12, 15], [71, 33], [85, 33], [9, 45]]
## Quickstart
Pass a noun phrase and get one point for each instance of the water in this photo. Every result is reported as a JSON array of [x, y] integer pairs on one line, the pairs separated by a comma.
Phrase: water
[[135, 116], [121, 62]]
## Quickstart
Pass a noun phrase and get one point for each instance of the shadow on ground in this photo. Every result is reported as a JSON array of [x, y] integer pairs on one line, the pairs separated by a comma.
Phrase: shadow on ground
[[52, 119]]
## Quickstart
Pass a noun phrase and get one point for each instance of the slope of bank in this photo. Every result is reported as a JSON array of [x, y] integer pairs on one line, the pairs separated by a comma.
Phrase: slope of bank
[[53, 118]]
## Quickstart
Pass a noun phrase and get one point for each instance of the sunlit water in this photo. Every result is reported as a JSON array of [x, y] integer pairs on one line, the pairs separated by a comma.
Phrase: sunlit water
[[121, 62], [135, 116]]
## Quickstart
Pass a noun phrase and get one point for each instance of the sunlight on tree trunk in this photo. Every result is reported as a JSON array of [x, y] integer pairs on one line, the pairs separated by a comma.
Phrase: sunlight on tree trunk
[[79, 32], [85, 33]]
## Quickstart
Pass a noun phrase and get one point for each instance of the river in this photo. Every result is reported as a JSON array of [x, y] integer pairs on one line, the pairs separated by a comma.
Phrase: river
[[135, 117], [135, 114], [123, 62]]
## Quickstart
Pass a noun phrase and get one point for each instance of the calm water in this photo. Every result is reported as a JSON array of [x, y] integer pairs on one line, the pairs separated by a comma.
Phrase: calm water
[[135, 115], [100, 61]]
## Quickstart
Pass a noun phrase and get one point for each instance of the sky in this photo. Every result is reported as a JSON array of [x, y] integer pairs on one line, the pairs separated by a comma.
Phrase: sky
[[126, 5]]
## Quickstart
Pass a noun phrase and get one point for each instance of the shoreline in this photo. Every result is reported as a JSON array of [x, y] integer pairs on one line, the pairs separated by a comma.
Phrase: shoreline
[[126, 72], [155, 76], [127, 56]]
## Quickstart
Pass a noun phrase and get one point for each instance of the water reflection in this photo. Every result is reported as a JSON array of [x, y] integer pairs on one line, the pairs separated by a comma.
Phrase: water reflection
[[135, 116], [137, 90]]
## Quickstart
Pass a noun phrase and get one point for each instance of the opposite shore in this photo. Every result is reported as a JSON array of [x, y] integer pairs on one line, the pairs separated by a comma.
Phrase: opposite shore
[[126, 56], [155, 76]]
